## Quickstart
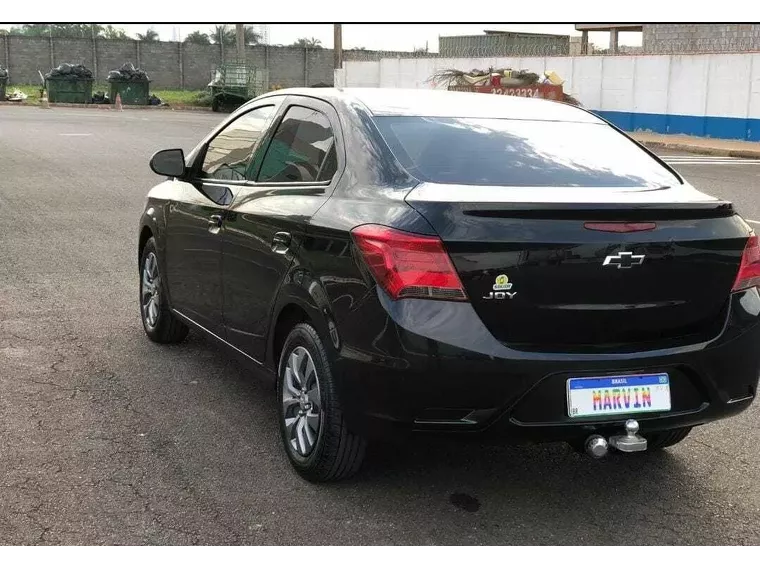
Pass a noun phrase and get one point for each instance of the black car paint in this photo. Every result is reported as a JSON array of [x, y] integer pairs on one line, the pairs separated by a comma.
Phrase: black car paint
[[423, 364]]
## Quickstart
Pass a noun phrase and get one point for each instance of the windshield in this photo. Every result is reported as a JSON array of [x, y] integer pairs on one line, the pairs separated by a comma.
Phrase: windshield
[[520, 153]]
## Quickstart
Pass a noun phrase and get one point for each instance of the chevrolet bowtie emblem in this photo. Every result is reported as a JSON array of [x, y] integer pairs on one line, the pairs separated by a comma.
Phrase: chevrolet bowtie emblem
[[624, 260]]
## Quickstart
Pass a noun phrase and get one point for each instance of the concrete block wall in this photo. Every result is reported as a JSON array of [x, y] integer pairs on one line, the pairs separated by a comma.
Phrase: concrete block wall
[[168, 64], [160, 60], [27, 55], [716, 95], [198, 62], [700, 38], [114, 54]]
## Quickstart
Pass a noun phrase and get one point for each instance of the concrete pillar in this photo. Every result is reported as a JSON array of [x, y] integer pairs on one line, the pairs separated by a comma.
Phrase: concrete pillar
[[584, 42], [180, 46], [613, 40], [240, 42], [337, 46]]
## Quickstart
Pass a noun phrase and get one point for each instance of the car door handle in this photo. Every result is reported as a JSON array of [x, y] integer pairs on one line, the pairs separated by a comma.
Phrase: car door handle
[[281, 243], [214, 224]]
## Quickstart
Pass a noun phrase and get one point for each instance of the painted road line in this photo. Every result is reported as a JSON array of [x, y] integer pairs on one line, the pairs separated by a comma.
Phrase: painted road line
[[730, 161], [75, 134], [714, 163], [700, 156]]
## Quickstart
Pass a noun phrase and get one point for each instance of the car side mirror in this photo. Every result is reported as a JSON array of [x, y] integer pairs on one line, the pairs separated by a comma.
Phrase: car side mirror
[[168, 163]]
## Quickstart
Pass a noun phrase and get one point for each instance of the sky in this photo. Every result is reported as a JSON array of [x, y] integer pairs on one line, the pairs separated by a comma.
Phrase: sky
[[383, 37]]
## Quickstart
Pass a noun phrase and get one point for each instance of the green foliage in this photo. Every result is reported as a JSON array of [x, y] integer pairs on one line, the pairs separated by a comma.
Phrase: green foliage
[[150, 35], [227, 34], [311, 43], [198, 37], [72, 31]]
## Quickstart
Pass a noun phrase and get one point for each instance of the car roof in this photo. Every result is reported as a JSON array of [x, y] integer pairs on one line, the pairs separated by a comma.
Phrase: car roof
[[454, 104]]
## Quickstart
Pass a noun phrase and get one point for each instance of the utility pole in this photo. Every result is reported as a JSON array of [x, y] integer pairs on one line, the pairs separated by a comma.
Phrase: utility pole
[[240, 36], [338, 46]]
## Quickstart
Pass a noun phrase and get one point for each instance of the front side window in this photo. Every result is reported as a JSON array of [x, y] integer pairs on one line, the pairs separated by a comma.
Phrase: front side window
[[229, 153], [302, 149], [520, 153]]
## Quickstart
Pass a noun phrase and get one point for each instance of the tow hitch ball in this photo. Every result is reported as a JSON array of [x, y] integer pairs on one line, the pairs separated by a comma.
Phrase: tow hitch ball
[[597, 446]]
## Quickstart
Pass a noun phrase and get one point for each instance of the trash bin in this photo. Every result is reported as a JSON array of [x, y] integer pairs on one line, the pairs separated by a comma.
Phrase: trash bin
[[69, 90], [132, 92], [69, 83], [131, 83]]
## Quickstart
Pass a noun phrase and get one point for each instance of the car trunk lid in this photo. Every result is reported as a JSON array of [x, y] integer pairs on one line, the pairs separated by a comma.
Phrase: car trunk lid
[[576, 269]]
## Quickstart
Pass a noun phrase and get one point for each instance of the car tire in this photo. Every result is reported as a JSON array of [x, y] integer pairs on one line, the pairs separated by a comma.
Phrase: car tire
[[666, 438], [314, 433], [160, 324]]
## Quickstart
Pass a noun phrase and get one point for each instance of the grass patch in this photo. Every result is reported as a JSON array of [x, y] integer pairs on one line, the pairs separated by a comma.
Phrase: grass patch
[[170, 96], [31, 91], [177, 97]]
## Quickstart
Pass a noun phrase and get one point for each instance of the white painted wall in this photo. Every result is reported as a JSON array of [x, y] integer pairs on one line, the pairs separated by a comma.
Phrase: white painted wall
[[709, 85], [650, 91]]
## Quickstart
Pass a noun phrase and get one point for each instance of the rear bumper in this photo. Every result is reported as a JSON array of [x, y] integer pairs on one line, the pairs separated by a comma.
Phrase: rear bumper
[[434, 367]]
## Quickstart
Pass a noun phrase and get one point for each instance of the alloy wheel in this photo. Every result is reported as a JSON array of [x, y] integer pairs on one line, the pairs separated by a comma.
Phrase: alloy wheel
[[301, 403], [150, 294]]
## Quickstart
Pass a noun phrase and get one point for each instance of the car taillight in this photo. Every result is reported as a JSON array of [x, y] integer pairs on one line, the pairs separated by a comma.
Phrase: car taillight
[[749, 269], [406, 265]]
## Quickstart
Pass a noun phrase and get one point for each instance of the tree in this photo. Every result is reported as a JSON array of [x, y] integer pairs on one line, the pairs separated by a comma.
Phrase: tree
[[110, 32], [150, 35], [74, 31], [228, 35], [198, 38], [311, 43]]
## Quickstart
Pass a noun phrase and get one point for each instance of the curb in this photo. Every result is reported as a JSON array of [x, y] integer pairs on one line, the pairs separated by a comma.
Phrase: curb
[[703, 150], [111, 107]]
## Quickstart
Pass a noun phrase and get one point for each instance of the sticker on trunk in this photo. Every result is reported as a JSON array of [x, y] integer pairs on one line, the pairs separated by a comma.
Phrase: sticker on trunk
[[501, 287], [502, 283]]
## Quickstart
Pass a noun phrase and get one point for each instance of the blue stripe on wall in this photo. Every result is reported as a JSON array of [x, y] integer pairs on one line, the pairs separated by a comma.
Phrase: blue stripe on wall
[[710, 126]]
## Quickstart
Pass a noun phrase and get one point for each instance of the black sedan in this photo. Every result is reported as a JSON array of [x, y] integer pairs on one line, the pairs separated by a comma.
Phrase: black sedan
[[428, 261]]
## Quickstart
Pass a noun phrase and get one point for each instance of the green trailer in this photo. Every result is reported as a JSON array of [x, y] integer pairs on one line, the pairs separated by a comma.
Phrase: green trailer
[[233, 84]]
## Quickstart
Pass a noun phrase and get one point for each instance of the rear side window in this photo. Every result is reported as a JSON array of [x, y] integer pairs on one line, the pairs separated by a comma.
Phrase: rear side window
[[229, 153], [520, 153], [302, 149]]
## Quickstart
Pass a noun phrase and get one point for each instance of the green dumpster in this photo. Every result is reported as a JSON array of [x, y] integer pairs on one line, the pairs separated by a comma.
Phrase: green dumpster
[[65, 90], [132, 92], [3, 83]]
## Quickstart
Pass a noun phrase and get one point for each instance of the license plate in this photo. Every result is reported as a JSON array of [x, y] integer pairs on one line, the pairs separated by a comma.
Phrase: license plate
[[626, 394]]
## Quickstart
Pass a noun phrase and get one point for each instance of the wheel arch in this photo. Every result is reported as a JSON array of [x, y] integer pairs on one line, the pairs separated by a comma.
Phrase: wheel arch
[[300, 300], [145, 234]]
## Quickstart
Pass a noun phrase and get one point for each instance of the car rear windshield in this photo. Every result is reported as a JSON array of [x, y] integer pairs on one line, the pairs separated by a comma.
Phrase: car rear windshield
[[520, 153]]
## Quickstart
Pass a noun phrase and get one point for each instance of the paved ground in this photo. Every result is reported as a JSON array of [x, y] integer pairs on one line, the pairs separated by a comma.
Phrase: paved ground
[[106, 438], [712, 146]]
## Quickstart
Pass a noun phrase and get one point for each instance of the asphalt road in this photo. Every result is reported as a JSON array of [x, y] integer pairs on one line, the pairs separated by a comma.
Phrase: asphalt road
[[106, 438]]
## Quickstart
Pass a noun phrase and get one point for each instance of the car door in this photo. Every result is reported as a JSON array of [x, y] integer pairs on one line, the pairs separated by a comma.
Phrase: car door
[[195, 220], [294, 175]]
